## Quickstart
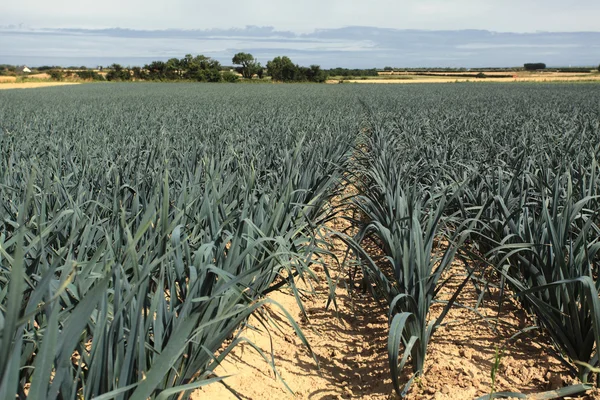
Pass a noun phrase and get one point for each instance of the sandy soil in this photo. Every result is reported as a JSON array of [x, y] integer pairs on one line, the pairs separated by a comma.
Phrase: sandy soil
[[32, 85], [350, 345]]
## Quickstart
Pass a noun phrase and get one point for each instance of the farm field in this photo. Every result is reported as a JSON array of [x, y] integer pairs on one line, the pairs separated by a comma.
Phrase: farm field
[[433, 241], [33, 85], [408, 77]]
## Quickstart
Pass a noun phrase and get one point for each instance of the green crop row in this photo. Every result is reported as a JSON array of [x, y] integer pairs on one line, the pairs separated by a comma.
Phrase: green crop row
[[140, 228], [507, 179]]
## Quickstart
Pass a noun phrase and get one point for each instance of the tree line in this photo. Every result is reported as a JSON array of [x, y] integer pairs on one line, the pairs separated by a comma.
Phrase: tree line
[[201, 68], [205, 69]]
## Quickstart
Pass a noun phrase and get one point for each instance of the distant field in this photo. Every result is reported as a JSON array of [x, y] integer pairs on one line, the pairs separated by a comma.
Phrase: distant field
[[494, 76], [32, 85]]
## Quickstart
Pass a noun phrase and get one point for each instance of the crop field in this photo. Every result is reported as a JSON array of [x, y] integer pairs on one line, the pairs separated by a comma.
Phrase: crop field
[[145, 229]]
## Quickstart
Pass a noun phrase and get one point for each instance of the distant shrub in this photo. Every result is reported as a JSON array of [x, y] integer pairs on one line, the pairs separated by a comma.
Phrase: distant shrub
[[534, 66], [56, 74], [575, 69], [352, 72], [91, 75], [230, 77]]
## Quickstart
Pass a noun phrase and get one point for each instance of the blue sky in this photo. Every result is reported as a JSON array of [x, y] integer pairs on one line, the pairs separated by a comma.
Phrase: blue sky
[[429, 33]]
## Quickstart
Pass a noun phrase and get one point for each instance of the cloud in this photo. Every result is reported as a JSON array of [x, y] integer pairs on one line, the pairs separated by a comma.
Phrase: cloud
[[308, 15], [353, 46]]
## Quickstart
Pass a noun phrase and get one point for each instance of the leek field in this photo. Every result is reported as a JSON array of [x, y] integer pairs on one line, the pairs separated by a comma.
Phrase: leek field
[[142, 224]]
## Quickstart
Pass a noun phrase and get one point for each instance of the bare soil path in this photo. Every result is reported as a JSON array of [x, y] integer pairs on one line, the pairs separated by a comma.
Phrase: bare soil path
[[349, 345]]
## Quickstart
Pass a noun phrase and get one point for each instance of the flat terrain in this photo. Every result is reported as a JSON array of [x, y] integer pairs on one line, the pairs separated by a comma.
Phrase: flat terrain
[[448, 77], [33, 85]]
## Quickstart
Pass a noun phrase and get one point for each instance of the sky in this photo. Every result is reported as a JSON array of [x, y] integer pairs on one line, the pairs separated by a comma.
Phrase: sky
[[467, 33]]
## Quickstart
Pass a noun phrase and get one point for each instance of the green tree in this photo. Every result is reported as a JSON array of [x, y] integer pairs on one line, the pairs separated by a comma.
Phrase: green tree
[[315, 74], [118, 73], [186, 61], [249, 65], [534, 66], [203, 69], [157, 70], [173, 68], [282, 69], [137, 73]]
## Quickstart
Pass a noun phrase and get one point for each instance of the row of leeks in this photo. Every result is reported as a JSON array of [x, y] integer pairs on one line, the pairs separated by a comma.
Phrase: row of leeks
[[429, 197], [139, 290]]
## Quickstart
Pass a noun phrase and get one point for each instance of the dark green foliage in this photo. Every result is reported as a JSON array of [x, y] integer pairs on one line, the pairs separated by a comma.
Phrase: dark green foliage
[[190, 68], [156, 70], [90, 75], [230, 77], [141, 225], [534, 66], [575, 69], [345, 72], [282, 69], [314, 74], [7, 70], [56, 74], [249, 65], [118, 73], [200, 68], [47, 68], [515, 175]]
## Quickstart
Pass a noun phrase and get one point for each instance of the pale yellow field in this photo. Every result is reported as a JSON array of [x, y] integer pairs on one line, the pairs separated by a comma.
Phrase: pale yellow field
[[451, 79], [42, 75], [32, 85]]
